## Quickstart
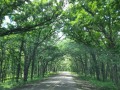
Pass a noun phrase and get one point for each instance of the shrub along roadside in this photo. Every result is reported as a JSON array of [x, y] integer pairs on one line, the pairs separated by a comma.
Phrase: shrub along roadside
[[108, 85], [104, 85], [10, 84]]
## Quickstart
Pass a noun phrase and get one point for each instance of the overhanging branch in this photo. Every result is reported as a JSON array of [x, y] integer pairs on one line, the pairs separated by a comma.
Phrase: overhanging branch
[[27, 28]]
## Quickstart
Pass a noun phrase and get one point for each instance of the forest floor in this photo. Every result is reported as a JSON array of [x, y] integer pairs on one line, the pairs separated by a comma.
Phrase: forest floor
[[62, 81]]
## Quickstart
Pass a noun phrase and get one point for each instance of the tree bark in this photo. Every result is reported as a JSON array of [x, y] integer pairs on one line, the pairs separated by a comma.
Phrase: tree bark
[[95, 65], [19, 61]]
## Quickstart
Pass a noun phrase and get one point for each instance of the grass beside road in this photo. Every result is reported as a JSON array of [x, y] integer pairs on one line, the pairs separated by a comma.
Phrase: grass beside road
[[108, 85], [9, 84]]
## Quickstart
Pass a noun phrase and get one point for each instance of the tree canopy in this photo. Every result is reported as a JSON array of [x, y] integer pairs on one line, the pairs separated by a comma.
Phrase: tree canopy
[[40, 36]]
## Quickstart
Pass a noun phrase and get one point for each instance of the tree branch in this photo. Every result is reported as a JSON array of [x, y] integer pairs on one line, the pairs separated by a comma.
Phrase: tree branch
[[27, 28]]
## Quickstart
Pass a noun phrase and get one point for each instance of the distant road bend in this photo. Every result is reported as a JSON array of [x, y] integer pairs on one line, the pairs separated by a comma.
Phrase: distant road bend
[[62, 81]]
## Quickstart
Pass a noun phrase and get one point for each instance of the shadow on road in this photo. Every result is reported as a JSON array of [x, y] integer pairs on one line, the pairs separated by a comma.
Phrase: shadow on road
[[62, 81]]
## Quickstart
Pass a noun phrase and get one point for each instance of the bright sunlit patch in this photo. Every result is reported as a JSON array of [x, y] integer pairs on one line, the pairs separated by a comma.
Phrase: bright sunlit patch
[[5, 22], [66, 5], [118, 33], [51, 82], [61, 35], [7, 19]]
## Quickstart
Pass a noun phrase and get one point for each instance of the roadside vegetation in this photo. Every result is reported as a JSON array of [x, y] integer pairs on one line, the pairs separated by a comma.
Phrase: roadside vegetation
[[100, 85], [9, 84], [42, 36]]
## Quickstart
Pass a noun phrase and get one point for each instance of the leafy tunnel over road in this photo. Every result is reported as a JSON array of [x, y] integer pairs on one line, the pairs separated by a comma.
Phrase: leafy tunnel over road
[[62, 81], [30, 43]]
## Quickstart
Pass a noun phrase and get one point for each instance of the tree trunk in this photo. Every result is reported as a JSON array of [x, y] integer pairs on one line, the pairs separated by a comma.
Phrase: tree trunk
[[19, 61], [96, 65], [26, 67], [116, 74], [33, 61], [86, 65], [103, 71], [25, 73]]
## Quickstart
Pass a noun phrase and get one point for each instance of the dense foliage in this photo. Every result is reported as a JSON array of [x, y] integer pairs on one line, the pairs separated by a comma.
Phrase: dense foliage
[[30, 44]]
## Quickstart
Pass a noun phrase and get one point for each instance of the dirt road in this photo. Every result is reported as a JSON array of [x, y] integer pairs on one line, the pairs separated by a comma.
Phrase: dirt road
[[62, 81]]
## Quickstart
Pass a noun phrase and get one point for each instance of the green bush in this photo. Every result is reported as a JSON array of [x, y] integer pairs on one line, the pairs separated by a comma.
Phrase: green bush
[[108, 85], [104, 85]]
